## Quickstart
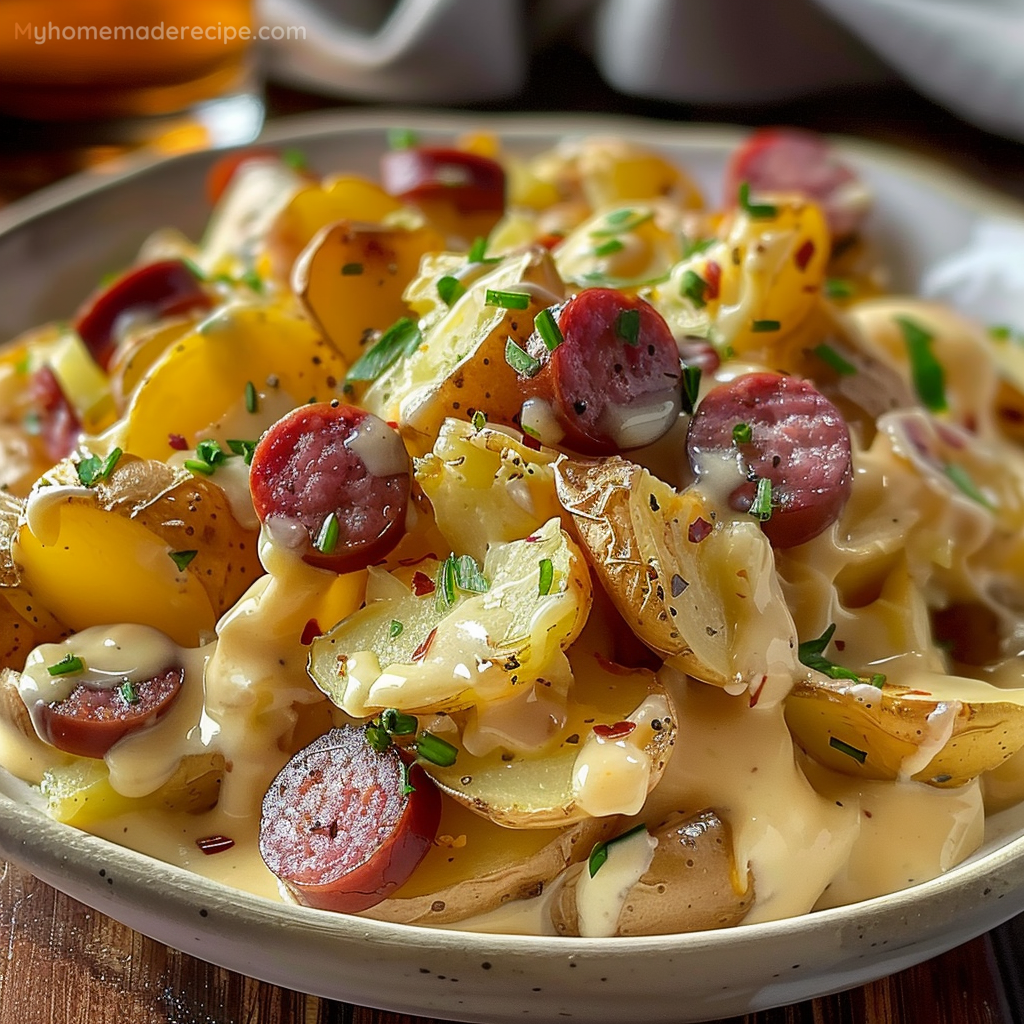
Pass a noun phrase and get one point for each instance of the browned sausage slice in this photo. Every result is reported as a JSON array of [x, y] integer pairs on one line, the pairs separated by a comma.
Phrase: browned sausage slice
[[155, 290], [340, 827], [471, 183], [612, 380], [780, 429], [791, 160], [92, 718], [341, 473]]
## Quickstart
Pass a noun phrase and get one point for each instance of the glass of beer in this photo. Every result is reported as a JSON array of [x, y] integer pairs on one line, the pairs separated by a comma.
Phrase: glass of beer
[[131, 71]]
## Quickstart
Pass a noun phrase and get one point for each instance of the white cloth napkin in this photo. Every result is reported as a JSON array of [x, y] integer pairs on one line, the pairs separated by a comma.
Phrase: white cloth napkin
[[967, 55]]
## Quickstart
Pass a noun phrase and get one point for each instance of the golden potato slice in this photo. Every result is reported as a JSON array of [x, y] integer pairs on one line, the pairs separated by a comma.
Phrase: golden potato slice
[[689, 884], [475, 866], [460, 367], [486, 487], [241, 368], [425, 642], [352, 275], [80, 793], [615, 740], [702, 591], [943, 730], [150, 545]]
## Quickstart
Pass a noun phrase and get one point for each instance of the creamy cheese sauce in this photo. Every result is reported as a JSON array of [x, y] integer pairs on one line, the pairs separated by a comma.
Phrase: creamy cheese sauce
[[599, 897]]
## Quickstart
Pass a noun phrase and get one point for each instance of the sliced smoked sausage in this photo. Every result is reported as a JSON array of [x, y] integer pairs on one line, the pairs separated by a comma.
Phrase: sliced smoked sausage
[[339, 472], [344, 825], [791, 160], [765, 426], [608, 380], [93, 717], [471, 183]]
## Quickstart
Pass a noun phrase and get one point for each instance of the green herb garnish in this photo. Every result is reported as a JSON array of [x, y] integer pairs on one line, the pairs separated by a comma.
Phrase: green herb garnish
[[435, 750], [451, 289], [94, 469], [764, 326], [243, 448], [506, 300], [520, 360], [546, 576], [327, 539], [761, 506], [693, 287], [252, 399], [691, 387], [627, 326], [812, 654], [182, 558], [759, 211], [609, 247], [128, 692], [926, 371], [962, 479], [599, 854], [860, 756], [351, 269], [742, 433], [399, 341], [402, 138], [546, 326], [830, 357], [68, 665], [838, 288], [395, 629]]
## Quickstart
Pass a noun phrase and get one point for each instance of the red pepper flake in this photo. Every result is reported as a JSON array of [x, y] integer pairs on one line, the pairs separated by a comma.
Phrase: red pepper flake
[[177, 442], [755, 696], [532, 539], [393, 424], [618, 731], [550, 240], [310, 632], [422, 584], [214, 844], [840, 645], [713, 279], [803, 255], [699, 529], [421, 652]]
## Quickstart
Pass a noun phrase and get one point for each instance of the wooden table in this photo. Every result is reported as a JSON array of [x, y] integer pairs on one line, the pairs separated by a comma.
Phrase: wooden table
[[65, 963]]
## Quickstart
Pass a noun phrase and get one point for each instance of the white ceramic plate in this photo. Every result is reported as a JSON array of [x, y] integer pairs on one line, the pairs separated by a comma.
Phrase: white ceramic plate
[[54, 247]]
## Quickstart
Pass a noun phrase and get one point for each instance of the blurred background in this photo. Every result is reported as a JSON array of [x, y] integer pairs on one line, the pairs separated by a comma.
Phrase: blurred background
[[84, 80]]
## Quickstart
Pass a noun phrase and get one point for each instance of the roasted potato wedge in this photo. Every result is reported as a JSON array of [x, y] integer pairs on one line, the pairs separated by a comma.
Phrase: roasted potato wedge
[[460, 367], [424, 642], [689, 884], [486, 487], [943, 730], [135, 528], [352, 275], [699, 590], [209, 370], [475, 866], [615, 740]]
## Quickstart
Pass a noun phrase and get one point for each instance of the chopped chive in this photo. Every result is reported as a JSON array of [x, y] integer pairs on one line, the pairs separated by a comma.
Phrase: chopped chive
[[68, 665], [469, 577], [377, 737], [627, 326], [520, 360], [838, 288], [621, 222], [609, 247], [399, 341], [962, 479], [451, 289], [830, 357], [210, 452], [506, 300], [545, 324], [94, 469], [128, 693], [402, 138], [295, 159], [435, 750], [546, 576], [478, 252], [397, 723], [251, 398], [243, 448], [198, 466], [742, 433], [599, 854], [395, 629], [182, 558], [693, 287], [696, 246], [761, 507], [479, 420], [926, 371], [193, 268], [252, 280], [812, 654], [445, 593], [691, 387], [351, 269], [327, 539], [759, 211], [860, 756], [764, 326]]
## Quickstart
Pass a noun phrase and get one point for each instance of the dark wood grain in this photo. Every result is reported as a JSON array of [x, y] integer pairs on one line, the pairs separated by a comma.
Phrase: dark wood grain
[[62, 963]]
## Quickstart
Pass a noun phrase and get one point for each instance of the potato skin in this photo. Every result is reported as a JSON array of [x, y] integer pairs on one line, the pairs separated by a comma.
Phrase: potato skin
[[690, 885]]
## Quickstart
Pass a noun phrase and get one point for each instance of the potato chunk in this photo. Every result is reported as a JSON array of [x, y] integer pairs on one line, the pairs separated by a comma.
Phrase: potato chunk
[[688, 884]]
